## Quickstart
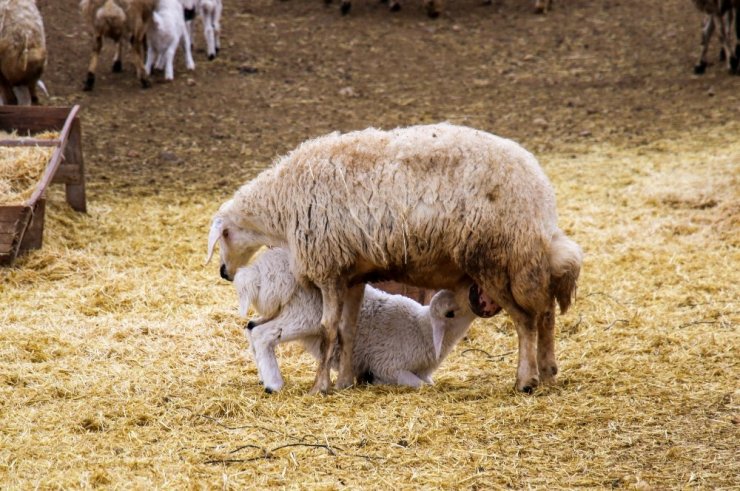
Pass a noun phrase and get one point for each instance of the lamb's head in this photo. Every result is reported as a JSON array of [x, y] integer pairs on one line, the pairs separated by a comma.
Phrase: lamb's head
[[238, 243], [451, 316]]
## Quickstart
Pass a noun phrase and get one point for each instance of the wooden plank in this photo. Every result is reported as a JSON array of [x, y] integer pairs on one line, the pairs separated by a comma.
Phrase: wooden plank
[[11, 238], [34, 236], [73, 162], [32, 119], [68, 174], [10, 213], [55, 160], [30, 142]]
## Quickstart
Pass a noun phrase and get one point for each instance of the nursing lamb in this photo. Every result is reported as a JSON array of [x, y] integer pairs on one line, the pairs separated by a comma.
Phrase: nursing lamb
[[394, 333]]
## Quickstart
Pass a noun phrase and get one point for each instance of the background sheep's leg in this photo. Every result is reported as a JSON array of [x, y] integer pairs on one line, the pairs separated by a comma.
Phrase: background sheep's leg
[[706, 36], [7, 92], [546, 362], [332, 303], [189, 62], [117, 63], [263, 339], [724, 38], [347, 333], [93, 65]]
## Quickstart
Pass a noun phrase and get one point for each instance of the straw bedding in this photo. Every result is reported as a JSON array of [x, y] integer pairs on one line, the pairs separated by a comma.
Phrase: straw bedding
[[122, 358], [21, 168]]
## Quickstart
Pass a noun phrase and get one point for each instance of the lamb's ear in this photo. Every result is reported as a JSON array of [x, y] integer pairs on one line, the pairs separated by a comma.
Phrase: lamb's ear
[[217, 228], [438, 334]]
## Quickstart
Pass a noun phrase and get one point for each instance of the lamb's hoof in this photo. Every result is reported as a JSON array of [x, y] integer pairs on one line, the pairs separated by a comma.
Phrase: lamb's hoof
[[211, 57], [432, 13], [218, 49], [89, 82], [539, 10], [345, 8], [145, 83], [700, 68], [117, 66], [395, 7], [722, 56]]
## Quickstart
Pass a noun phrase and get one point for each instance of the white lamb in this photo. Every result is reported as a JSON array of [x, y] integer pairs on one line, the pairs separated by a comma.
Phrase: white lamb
[[164, 34], [210, 14], [394, 338]]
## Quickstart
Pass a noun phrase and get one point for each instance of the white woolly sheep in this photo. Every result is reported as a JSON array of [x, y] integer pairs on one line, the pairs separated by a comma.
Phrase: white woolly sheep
[[163, 36], [394, 333], [722, 14], [437, 206], [22, 51], [118, 20]]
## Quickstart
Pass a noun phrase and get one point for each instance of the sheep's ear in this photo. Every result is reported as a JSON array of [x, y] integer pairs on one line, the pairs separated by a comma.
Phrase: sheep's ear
[[438, 334], [217, 228]]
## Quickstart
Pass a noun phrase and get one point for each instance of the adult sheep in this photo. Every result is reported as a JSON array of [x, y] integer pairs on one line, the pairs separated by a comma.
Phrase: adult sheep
[[22, 50], [436, 206]]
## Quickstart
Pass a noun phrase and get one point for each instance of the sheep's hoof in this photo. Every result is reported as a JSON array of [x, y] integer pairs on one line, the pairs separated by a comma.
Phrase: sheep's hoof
[[722, 56], [700, 68], [346, 6], [432, 13], [734, 62], [211, 57], [145, 83], [117, 66], [529, 386], [548, 374], [218, 49], [395, 7], [89, 82]]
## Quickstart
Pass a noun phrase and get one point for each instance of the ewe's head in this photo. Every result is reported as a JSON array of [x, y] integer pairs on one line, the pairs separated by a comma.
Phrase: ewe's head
[[449, 311], [238, 244]]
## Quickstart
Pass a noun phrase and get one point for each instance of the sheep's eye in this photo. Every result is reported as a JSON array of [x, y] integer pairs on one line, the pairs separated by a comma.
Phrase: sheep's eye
[[226, 233], [450, 314]]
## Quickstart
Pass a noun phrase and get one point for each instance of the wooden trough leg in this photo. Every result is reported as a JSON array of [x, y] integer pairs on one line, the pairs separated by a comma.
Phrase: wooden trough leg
[[34, 236], [71, 171]]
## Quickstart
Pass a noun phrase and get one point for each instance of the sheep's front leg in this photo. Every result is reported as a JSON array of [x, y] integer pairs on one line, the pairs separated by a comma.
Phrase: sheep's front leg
[[332, 297], [347, 333], [93, 65], [117, 63], [546, 361], [706, 36], [263, 338]]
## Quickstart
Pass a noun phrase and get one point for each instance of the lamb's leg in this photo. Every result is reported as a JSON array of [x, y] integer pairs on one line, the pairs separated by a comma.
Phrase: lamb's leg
[[546, 361], [208, 32], [332, 303], [189, 63], [117, 63], [150, 57], [169, 63], [263, 339], [347, 333], [217, 28], [93, 65], [409, 379], [706, 36]]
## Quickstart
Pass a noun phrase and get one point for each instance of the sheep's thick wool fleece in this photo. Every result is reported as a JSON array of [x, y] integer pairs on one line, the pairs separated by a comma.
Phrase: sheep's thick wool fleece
[[405, 200], [22, 41]]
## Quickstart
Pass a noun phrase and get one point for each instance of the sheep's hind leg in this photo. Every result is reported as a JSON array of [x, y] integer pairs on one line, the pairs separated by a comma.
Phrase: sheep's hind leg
[[546, 361], [117, 63], [332, 304], [347, 332]]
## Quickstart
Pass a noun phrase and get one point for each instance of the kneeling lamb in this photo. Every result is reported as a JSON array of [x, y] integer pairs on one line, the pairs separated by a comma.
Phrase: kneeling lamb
[[164, 34], [394, 343]]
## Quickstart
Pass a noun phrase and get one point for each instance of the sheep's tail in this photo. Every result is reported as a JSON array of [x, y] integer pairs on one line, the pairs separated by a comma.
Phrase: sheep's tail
[[566, 258]]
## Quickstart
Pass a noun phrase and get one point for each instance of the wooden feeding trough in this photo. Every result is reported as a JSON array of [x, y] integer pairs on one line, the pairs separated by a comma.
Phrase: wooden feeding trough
[[22, 224]]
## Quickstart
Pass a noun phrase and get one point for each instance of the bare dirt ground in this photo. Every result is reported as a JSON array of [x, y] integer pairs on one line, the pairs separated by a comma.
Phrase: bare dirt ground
[[122, 357]]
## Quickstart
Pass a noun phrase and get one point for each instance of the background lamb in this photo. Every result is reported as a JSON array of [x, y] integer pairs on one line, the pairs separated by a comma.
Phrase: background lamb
[[22, 51], [437, 206], [210, 14], [394, 334], [118, 20], [164, 34]]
